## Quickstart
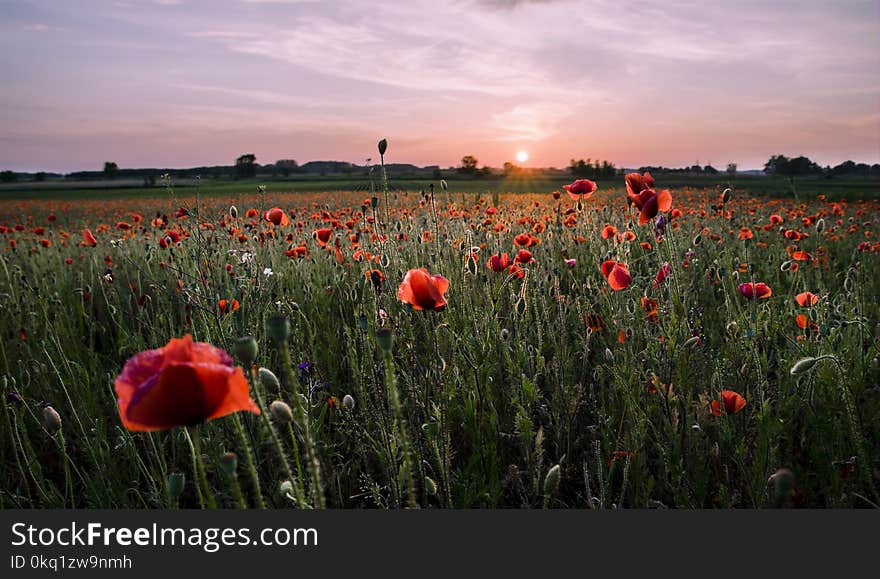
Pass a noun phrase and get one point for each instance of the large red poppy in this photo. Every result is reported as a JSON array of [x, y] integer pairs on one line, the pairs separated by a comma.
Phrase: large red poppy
[[807, 299], [580, 188], [498, 262], [322, 236], [181, 384], [617, 274], [755, 290], [640, 192], [89, 239], [277, 216], [732, 401], [423, 291]]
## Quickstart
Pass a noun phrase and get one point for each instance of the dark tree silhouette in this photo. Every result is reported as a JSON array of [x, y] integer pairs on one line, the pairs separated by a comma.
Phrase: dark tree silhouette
[[246, 166]]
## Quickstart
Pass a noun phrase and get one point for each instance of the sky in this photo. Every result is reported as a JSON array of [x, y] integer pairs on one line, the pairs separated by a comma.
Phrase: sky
[[180, 83]]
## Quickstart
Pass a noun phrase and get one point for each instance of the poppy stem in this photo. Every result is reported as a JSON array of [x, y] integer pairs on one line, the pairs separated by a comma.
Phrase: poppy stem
[[206, 496], [302, 419], [249, 458], [391, 387], [68, 482]]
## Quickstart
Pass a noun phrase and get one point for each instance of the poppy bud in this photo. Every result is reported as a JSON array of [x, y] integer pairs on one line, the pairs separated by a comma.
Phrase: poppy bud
[[692, 342], [783, 485], [176, 482], [348, 402], [286, 489], [443, 185], [374, 202], [803, 366], [385, 339], [786, 265], [281, 412], [233, 211], [430, 486], [51, 420], [279, 328], [820, 225], [13, 397], [229, 463], [383, 146], [732, 328], [551, 481], [725, 196], [246, 350], [609, 357], [268, 378], [505, 334], [698, 239]]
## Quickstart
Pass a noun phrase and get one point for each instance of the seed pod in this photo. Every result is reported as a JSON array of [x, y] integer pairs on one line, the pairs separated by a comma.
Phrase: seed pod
[[383, 146], [281, 412], [176, 482], [385, 339], [229, 463], [279, 328], [245, 349], [51, 420]]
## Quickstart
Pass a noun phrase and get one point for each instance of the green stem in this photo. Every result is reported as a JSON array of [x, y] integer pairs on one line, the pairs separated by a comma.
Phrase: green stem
[[249, 459]]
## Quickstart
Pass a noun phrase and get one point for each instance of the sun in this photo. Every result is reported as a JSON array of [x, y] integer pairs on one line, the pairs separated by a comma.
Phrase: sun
[[522, 156]]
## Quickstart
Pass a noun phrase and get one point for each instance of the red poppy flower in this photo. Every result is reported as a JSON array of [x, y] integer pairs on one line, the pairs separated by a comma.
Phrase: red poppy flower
[[498, 263], [640, 192], [277, 216], [226, 306], [250, 213], [523, 240], [516, 271], [617, 274], [523, 256], [650, 307], [582, 188], [801, 256], [807, 299], [322, 236], [89, 239], [636, 183], [662, 274], [608, 232], [181, 384], [595, 322], [733, 403], [755, 290], [46, 242], [423, 291]]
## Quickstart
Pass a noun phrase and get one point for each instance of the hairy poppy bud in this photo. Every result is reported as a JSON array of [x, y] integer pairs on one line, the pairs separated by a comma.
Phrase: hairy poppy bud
[[176, 482], [692, 342], [246, 350], [281, 412], [383, 146], [783, 486], [51, 420], [430, 486], [268, 378], [732, 328], [229, 463], [348, 402], [279, 328], [609, 357], [444, 185], [725, 196], [233, 211], [374, 202], [803, 366], [820, 225], [286, 489], [385, 339], [505, 334], [551, 481]]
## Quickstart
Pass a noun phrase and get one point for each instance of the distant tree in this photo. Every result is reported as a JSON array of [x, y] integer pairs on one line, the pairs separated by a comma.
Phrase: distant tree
[[468, 165], [782, 166], [246, 166], [8, 177], [486, 171], [696, 169], [40, 177], [509, 169], [731, 169], [710, 170], [110, 169], [287, 166], [437, 174]]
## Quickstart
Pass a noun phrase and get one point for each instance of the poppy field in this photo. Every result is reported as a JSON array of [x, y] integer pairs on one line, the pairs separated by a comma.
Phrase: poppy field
[[633, 346]]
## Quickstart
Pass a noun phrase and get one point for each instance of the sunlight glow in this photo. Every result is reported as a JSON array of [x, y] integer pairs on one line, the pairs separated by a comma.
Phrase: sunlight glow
[[522, 156]]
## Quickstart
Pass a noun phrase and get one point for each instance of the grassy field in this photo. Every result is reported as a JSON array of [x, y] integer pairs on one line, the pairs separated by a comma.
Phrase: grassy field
[[541, 383], [808, 187]]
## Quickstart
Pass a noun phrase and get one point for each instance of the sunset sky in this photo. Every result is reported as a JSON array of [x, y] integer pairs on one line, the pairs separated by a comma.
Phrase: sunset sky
[[177, 83]]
